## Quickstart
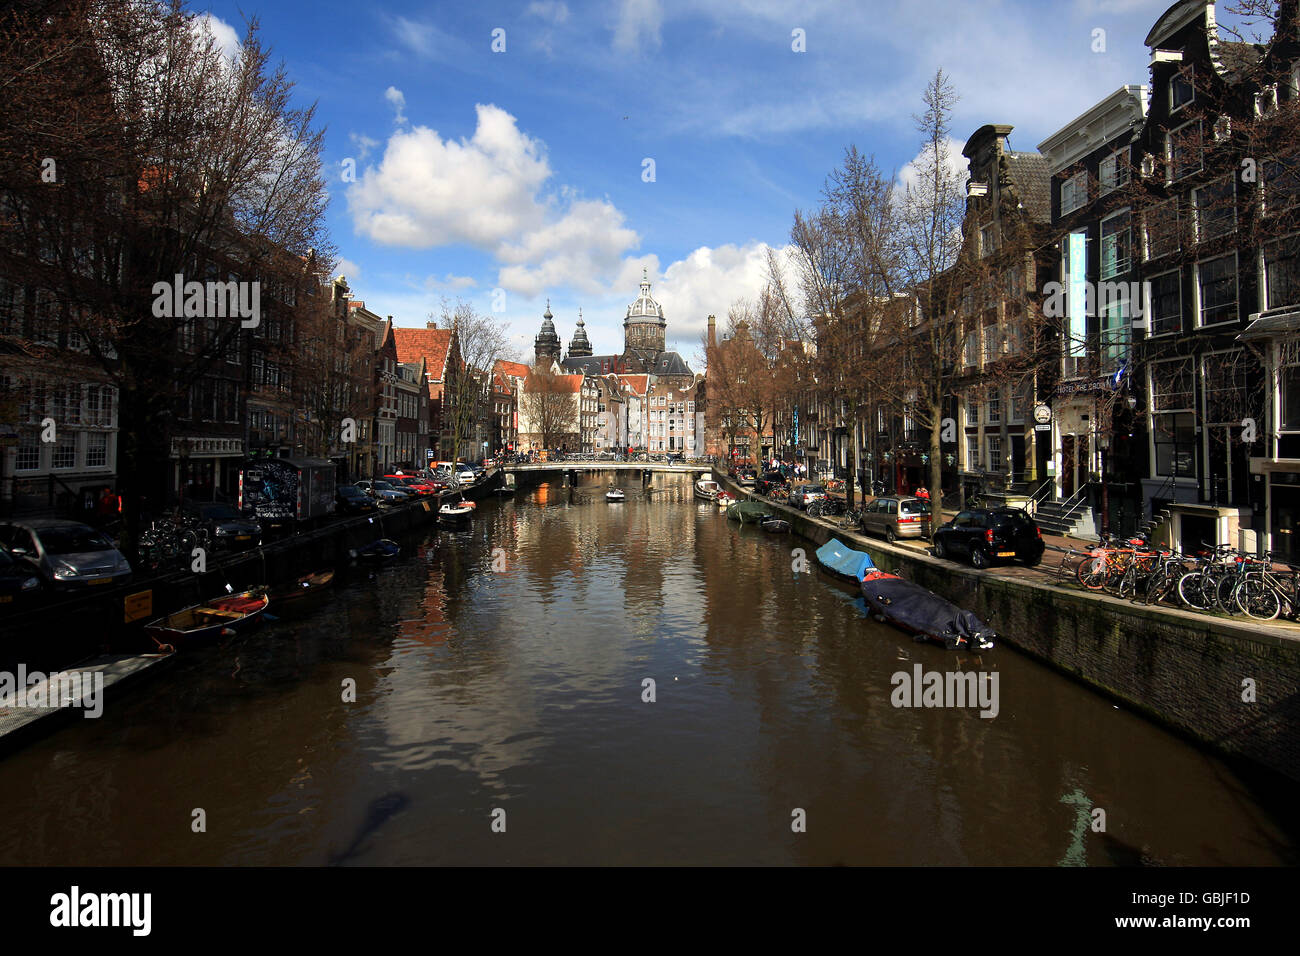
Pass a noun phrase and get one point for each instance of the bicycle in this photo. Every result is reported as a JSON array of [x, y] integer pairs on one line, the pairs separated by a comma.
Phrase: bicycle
[[852, 518], [1194, 588], [1261, 594]]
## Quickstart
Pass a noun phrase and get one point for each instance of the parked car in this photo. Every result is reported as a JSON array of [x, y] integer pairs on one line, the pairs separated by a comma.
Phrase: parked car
[[768, 481], [65, 554], [410, 482], [465, 475], [19, 582], [351, 500], [986, 536], [229, 529], [896, 517], [746, 479], [805, 495], [385, 494]]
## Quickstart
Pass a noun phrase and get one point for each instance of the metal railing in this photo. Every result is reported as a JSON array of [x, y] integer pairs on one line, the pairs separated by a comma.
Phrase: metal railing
[[1045, 490], [1076, 500]]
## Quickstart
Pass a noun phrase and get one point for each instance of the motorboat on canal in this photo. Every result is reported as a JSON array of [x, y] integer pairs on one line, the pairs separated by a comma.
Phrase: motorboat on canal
[[906, 604], [707, 489], [615, 494], [209, 620], [300, 593], [725, 501], [774, 525], [922, 613], [375, 551], [456, 512]]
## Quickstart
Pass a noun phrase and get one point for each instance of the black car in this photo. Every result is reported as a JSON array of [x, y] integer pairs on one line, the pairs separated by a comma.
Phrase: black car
[[351, 500], [768, 481], [986, 536], [229, 529], [19, 582]]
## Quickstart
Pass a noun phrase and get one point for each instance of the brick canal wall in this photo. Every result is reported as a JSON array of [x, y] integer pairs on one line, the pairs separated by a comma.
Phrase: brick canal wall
[[1182, 669], [70, 630]]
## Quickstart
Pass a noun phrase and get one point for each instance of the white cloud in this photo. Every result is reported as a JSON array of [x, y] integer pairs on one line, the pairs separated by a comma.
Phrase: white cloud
[[227, 40], [424, 39], [909, 175], [364, 145], [346, 267], [552, 11], [707, 282], [398, 101], [489, 191], [427, 191], [638, 25], [450, 281]]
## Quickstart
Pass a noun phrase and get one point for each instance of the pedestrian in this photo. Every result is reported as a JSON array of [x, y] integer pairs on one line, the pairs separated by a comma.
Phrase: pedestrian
[[923, 493]]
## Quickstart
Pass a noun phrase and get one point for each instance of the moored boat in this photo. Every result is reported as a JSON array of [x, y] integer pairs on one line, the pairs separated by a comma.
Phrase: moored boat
[[209, 620], [615, 494], [775, 525], [460, 511], [707, 489], [725, 501], [380, 550], [301, 591], [922, 613], [841, 560]]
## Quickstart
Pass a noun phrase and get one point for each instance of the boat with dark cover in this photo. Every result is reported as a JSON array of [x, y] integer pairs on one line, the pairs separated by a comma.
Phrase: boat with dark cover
[[747, 512], [908, 606]]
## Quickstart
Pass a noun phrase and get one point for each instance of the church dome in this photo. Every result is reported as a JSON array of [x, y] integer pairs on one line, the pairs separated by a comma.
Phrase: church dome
[[645, 307], [547, 342]]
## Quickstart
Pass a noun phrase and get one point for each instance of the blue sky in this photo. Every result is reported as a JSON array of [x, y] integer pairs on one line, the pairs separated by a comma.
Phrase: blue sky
[[524, 170]]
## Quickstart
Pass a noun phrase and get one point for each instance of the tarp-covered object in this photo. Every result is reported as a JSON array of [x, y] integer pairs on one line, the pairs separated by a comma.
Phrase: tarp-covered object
[[747, 511], [839, 558], [913, 608]]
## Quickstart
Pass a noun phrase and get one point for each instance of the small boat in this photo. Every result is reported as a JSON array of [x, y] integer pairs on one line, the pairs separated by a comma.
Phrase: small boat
[[922, 613], [748, 512], [380, 550], [302, 590], [725, 501], [707, 489], [460, 511], [219, 617], [615, 494], [775, 525], [842, 561]]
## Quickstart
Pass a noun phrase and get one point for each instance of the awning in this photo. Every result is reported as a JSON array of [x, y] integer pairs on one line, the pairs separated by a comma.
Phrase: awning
[[1264, 325]]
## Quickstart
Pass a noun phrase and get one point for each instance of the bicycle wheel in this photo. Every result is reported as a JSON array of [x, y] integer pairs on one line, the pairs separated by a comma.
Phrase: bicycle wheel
[[1091, 572], [1158, 585], [1129, 582], [1190, 592], [1254, 596], [1223, 597]]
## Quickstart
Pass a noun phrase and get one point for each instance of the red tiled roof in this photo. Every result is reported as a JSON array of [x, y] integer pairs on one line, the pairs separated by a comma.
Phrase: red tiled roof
[[563, 383], [428, 344], [514, 369], [639, 383]]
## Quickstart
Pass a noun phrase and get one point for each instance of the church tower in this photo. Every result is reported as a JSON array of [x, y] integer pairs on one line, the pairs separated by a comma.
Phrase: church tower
[[644, 328], [546, 347], [580, 345]]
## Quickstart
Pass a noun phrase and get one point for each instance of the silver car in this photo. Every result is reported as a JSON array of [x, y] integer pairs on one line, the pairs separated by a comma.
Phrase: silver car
[[896, 517], [66, 554]]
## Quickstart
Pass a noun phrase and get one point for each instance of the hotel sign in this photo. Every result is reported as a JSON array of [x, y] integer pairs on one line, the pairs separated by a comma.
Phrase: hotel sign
[[1085, 387]]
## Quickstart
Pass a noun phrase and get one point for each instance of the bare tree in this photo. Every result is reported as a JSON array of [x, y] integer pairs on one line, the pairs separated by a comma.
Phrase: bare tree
[[478, 341], [548, 408], [132, 151]]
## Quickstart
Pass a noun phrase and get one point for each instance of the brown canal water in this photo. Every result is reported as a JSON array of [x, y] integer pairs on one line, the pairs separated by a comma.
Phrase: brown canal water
[[512, 680]]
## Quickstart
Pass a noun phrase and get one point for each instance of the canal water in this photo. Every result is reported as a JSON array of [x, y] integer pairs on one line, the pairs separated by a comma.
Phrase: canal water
[[501, 716]]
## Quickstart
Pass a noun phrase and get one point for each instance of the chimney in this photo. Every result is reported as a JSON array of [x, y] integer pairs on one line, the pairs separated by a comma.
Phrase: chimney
[[713, 332]]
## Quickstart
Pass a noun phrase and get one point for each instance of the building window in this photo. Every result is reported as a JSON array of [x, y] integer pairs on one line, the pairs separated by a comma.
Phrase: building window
[[1173, 417], [995, 409], [1074, 193], [972, 412], [972, 452], [1116, 245], [1113, 171], [65, 452], [29, 452], [1116, 332], [1217, 285], [1281, 183], [995, 453], [1183, 150], [96, 449], [1162, 229], [1290, 388], [1182, 89], [1165, 310], [1282, 272], [1216, 210], [1226, 398], [988, 240]]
